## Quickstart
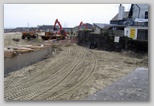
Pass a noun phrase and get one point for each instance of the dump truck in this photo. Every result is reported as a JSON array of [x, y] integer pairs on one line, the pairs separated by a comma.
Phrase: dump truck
[[29, 35]]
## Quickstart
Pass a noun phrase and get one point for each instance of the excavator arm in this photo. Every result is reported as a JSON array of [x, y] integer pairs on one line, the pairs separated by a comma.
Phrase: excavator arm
[[81, 23], [61, 31], [58, 24]]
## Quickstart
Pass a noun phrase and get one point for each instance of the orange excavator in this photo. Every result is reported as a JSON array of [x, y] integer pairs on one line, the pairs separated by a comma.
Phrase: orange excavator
[[57, 34], [61, 30], [81, 23]]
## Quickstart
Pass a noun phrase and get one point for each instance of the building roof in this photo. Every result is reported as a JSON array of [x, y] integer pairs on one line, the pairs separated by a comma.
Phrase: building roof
[[107, 26], [100, 25], [21, 28], [90, 26], [116, 16]]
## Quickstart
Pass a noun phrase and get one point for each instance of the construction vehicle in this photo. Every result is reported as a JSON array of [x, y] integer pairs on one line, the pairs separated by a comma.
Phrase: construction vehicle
[[56, 34], [81, 23], [61, 31], [29, 35]]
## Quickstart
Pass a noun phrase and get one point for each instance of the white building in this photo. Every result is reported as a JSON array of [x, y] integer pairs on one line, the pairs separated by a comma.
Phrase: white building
[[136, 33], [139, 30], [139, 11]]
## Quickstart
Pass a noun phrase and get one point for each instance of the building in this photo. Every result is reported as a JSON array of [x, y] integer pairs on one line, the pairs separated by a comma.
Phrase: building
[[135, 21], [136, 16], [46, 27], [83, 27], [138, 11], [21, 29], [136, 33], [121, 17], [98, 27], [115, 19], [6, 30], [110, 29], [139, 29]]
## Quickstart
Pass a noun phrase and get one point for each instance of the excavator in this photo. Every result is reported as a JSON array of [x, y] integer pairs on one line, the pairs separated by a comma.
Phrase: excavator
[[81, 23], [56, 34]]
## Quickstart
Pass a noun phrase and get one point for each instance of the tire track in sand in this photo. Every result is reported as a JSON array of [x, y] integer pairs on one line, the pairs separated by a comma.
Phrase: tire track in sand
[[14, 96], [81, 80], [47, 72], [69, 70]]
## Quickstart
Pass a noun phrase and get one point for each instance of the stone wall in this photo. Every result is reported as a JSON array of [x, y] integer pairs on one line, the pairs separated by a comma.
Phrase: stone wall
[[105, 42]]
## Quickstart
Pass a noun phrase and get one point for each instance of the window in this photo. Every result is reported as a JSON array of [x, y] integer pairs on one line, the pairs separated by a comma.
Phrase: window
[[142, 34], [146, 15]]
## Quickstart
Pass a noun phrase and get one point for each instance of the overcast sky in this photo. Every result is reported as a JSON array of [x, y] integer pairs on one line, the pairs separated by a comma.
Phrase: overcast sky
[[69, 15]]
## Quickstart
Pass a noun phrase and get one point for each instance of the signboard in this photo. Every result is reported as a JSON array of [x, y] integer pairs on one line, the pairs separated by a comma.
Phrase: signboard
[[116, 39], [132, 33]]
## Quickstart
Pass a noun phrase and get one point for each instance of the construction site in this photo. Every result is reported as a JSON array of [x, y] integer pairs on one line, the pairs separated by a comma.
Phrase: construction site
[[76, 63]]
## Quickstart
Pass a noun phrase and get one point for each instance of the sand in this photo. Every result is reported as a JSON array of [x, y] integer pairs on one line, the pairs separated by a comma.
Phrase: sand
[[72, 73]]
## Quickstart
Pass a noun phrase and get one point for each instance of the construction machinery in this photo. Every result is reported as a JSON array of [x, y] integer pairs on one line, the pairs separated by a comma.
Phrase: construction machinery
[[81, 23], [56, 33], [29, 35]]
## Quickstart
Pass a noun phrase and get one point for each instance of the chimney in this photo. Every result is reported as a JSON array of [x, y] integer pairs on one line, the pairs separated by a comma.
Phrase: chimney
[[121, 12]]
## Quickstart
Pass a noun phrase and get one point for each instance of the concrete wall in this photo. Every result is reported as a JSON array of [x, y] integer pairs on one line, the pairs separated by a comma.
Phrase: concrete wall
[[20, 61]]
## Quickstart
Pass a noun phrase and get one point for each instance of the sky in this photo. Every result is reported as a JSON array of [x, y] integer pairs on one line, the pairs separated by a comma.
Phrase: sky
[[69, 15]]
